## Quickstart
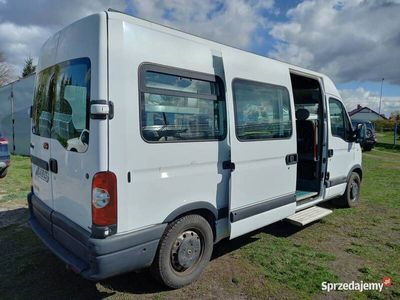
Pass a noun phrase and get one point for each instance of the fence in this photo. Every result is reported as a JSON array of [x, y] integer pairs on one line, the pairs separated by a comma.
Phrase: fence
[[15, 101]]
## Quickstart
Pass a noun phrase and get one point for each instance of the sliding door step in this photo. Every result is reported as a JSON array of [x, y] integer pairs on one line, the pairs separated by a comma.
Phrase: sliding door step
[[308, 215]]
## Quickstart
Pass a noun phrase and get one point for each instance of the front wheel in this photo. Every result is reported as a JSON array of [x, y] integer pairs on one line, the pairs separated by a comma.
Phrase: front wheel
[[184, 251], [367, 148], [351, 197]]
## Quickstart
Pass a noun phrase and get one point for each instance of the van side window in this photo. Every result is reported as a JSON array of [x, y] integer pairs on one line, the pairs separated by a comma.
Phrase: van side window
[[179, 106], [340, 124], [61, 104], [262, 111]]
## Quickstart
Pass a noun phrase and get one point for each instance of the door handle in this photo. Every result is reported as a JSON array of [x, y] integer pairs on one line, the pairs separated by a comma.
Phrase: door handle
[[330, 152], [53, 165], [291, 159], [228, 165]]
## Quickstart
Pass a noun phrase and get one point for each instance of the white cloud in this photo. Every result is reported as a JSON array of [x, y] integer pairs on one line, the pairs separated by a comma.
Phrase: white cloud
[[360, 96], [231, 22], [18, 42], [349, 40], [26, 25]]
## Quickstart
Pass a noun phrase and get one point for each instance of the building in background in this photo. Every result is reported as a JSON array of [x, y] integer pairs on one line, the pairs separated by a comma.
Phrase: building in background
[[15, 123], [365, 114]]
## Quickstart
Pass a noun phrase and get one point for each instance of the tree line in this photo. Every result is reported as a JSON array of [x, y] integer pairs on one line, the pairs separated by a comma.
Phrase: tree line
[[7, 74]]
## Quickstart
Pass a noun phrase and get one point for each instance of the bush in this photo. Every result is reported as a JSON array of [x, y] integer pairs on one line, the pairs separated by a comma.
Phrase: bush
[[384, 125]]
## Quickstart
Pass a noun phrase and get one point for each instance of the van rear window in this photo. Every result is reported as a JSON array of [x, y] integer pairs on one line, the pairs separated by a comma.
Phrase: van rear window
[[177, 107], [61, 104]]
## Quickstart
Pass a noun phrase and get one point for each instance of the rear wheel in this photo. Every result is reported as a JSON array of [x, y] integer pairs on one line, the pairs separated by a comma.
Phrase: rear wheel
[[351, 197], [184, 251], [3, 173]]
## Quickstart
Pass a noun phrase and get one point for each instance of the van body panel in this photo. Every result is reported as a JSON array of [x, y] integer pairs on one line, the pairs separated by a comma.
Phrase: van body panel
[[165, 176], [41, 179]]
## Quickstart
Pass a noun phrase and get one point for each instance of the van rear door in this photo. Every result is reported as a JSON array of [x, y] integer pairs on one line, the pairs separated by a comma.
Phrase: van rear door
[[40, 137], [77, 144], [71, 161], [263, 146]]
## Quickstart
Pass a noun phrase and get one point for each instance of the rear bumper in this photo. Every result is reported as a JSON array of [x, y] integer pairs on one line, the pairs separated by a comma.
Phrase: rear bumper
[[94, 259], [369, 142]]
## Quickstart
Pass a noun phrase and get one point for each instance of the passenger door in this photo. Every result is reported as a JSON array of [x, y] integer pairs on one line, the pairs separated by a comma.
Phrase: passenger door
[[341, 153], [263, 153]]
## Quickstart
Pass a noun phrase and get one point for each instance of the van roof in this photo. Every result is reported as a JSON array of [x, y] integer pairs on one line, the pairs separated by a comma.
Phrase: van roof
[[116, 14], [330, 87]]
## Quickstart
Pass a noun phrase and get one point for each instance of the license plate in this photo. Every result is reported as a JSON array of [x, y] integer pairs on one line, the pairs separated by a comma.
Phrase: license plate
[[42, 174]]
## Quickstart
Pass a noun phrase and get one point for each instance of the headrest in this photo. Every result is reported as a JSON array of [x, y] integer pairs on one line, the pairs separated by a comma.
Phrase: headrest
[[302, 114]]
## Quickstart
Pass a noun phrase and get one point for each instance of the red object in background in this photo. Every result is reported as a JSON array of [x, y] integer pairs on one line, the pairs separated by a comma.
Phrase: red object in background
[[387, 281], [3, 141]]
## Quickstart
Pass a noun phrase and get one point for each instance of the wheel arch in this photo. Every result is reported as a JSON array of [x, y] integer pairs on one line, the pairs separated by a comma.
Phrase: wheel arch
[[202, 208], [357, 169]]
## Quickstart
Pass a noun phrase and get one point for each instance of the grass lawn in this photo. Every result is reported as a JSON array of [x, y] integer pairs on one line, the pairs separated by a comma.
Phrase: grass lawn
[[387, 137], [280, 261]]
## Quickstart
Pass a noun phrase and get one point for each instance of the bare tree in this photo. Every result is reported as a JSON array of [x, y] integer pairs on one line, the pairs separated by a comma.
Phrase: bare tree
[[5, 71]]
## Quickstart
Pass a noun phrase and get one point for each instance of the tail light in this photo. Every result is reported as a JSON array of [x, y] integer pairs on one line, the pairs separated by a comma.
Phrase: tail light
[[104, 202], [3, 141]]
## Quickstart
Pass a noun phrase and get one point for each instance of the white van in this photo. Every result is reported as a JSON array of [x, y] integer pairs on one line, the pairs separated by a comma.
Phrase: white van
[[150, 145]]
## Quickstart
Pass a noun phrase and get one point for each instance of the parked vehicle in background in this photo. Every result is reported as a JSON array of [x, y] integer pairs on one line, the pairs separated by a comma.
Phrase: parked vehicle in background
[[150, 145], [4, 156], [370, 137]]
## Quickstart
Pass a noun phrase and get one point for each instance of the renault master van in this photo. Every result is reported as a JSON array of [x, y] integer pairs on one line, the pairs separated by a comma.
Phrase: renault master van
[[149, 145]]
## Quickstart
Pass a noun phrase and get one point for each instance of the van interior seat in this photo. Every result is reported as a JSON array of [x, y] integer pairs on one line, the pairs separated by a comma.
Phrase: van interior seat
[[306, 131]]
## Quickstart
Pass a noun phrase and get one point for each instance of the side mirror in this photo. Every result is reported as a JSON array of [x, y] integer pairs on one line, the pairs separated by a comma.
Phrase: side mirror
[[360, 133]]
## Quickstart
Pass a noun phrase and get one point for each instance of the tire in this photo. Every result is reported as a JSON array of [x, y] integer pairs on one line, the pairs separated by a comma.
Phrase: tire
[[351, 197], [184, 251], [367, 148], [3, 173]]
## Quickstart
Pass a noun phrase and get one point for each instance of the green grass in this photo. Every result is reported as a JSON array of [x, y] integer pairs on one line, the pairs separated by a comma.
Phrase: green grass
[[381, 184], [387, 137], [17, 183], [300, 267], [279, 261]]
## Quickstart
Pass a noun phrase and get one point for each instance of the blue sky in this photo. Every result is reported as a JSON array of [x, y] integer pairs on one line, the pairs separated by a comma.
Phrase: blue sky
[[355, 42]]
